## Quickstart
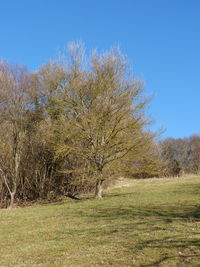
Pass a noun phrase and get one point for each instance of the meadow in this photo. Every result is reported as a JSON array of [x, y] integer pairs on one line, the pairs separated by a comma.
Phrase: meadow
[[151, 222]]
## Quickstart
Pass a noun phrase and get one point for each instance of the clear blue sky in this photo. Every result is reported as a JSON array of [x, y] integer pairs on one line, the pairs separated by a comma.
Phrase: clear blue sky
[[161, 39]]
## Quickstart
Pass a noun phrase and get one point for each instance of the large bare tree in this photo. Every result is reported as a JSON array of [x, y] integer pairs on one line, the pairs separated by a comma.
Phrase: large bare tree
[[101, 112]]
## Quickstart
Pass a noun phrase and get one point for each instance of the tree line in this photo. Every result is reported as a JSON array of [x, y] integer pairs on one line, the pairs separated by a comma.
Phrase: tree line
[[75, 125], [181, 155]]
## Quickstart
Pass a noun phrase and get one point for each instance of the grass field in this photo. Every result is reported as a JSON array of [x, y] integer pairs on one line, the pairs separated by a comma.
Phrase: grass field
[[153, 222]]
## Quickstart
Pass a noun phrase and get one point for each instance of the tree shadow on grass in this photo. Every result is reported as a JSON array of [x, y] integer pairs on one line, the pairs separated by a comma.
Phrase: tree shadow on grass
[[185, 259], [175, 243], [162, 212], [174, 221]]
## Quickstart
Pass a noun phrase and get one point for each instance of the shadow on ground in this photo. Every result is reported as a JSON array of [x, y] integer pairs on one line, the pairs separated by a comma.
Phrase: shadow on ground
[[162, 212], [163, 229]]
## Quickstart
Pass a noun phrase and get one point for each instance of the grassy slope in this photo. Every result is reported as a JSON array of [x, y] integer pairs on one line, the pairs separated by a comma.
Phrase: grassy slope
[[152, 223]]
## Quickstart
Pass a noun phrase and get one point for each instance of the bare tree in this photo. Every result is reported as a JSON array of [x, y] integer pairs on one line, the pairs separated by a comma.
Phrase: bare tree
[[14, 108], [101, 115]]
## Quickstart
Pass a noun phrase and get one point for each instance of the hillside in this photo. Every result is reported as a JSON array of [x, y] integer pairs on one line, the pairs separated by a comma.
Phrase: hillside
[[153, 222]]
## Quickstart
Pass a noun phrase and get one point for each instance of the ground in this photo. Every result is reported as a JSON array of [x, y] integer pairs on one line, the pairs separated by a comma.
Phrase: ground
[[152, 222]]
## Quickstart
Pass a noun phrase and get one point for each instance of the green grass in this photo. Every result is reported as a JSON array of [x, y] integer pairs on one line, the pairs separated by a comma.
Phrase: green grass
[[153, 222]]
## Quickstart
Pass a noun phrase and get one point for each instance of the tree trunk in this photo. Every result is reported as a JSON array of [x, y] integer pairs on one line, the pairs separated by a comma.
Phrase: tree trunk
[[99, 189], [11, 192], [12, 197]]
